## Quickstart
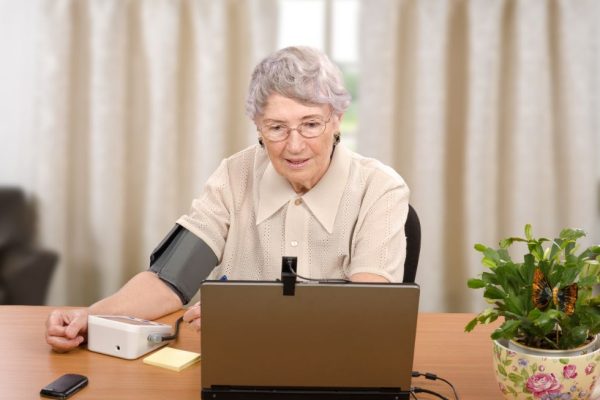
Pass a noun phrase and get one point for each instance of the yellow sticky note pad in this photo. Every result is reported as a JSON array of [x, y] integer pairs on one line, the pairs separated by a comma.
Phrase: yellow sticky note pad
[[173, 359]]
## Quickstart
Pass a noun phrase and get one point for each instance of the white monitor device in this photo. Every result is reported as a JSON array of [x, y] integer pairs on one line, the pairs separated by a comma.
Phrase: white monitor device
[[124, 336]]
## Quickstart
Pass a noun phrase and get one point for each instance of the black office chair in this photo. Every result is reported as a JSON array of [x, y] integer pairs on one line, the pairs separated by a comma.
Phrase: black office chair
[[25, 268], [412, 230]]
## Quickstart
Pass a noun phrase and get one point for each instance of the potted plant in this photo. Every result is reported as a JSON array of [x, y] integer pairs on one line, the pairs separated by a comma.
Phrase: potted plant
[[547, 346]]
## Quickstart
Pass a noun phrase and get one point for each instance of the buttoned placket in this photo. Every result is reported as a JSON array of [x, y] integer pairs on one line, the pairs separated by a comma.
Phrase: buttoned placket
[[295, 222]]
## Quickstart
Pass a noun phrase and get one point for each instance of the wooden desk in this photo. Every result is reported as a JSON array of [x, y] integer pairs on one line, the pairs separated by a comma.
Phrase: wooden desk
[[27, 363]]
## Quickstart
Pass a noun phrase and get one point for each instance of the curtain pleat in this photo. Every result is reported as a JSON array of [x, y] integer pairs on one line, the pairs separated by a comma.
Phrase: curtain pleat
[[52, 134], [135, 107], [489, 109]]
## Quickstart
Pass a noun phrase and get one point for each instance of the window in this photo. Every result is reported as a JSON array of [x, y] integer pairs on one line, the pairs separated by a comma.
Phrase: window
[[331, 26]]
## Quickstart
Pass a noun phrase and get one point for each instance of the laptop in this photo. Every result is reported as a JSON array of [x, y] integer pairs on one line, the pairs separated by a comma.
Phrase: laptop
[[324, 341]]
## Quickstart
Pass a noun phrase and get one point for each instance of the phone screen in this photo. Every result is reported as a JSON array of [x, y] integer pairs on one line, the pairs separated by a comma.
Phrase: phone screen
[[64, 386]]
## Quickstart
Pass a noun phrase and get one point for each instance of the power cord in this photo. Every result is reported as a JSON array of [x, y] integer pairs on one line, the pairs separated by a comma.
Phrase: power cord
[[432, 377], [158, 338], [421, 390]]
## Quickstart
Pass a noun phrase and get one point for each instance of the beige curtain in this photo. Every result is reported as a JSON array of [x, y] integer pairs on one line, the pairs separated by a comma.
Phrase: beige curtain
[[136, 102], [491, 111]]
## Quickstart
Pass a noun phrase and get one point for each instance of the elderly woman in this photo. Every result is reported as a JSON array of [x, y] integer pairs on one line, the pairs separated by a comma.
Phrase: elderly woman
[[298, 192]]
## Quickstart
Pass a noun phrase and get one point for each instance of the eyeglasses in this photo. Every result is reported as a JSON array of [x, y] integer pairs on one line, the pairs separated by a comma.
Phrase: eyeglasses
[[311, 128]]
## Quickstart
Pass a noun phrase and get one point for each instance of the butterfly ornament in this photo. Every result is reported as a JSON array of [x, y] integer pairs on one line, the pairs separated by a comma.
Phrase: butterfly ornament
[[542, 294]]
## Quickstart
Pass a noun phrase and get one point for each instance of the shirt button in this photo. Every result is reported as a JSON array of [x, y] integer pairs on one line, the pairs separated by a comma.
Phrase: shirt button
[[294, 243], [298, 202]]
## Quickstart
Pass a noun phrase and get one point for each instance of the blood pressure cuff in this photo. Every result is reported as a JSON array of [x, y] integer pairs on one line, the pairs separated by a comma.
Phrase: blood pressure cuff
[[182, 260]]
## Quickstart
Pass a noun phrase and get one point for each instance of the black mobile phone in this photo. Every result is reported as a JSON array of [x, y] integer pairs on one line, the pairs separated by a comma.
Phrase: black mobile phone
[[64, 386]]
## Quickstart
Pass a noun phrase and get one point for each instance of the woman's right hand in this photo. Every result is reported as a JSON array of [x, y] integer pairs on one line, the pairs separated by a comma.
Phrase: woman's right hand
[[66, 329], [192, 317]]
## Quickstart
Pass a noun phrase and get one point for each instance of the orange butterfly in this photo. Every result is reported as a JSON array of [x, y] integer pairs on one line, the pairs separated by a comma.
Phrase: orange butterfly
[[542, 293]]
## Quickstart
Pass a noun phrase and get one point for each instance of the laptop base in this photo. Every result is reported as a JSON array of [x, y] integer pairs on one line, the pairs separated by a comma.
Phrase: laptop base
[[240, 393]]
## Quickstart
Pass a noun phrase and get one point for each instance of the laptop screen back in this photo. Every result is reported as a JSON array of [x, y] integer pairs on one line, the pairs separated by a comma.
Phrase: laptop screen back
[[327, 335]]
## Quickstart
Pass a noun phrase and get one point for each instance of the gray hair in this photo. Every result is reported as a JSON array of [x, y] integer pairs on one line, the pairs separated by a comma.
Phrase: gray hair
[[300, 73]]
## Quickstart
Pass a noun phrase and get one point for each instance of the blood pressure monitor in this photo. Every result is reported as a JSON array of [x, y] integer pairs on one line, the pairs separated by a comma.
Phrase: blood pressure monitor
[[124, 336]]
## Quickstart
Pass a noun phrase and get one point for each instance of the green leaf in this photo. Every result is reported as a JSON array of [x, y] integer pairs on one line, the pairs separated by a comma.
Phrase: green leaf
[[516, 379], [588, 281], [491, 318], [472, 323], [487, 315], [526, 271], [504, 255], [568, 276], [595, 249], [513, 304], [528, 232], [502, 370], [488, 262], [534, 368], [536, 249], [494, 293], [480, 247], [507, 329], [555, 250], [475, 283], [590, 269], [564, 361], [534, 314], [574, 337], [529, 259], [490, 278], [505, 243], [571, 234], [545, 319]]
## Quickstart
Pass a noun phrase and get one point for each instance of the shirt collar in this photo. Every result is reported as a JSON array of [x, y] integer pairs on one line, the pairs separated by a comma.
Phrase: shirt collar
[[323, 200]]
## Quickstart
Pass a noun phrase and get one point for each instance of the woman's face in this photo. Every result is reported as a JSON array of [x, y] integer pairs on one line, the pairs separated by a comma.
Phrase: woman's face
[[302, 161]]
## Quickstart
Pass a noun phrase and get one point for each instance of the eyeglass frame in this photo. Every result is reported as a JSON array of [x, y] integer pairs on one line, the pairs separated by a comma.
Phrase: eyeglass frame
[[297, 129]]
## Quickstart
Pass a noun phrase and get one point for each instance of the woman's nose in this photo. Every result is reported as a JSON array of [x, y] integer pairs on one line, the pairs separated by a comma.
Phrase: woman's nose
[[295, 141]]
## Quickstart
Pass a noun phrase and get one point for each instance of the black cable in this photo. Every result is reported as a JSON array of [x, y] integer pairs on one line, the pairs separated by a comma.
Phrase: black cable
[[157, 337], [431, 392], [433, 377], [341, 280], [451, 385]]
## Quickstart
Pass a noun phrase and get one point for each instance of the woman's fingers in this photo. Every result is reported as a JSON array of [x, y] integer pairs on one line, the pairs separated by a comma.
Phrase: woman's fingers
[[192, 317], [65, 329]]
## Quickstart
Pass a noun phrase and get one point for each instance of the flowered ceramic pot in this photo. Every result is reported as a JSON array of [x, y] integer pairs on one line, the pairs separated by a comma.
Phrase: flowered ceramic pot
[[546, 376]]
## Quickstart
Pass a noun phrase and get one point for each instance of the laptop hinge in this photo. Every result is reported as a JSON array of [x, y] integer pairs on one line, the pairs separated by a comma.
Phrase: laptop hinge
[[259, 393]]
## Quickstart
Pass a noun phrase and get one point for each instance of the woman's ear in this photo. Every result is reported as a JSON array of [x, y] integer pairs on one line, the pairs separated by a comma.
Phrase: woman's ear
[[338, 120]]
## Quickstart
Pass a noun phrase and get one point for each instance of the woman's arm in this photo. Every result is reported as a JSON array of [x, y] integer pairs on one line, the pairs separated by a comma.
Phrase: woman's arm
[[379, 242], [367, 277], [144, 296]]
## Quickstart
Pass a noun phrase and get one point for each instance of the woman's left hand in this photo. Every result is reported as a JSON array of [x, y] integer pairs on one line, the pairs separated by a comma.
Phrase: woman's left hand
[[192, 317]]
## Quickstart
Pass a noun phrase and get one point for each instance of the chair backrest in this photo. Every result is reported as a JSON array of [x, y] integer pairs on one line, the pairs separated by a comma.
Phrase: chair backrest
[[412, 230], [25, 268]]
